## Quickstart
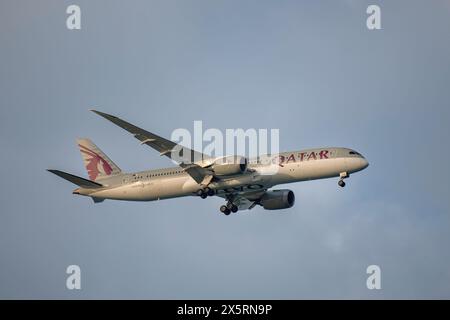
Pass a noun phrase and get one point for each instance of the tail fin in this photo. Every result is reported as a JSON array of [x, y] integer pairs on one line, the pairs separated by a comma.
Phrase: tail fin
[[97, 164], [79, 181]]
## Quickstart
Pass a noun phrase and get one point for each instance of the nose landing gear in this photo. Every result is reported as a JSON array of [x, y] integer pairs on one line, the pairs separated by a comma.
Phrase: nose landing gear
[[342, 176]]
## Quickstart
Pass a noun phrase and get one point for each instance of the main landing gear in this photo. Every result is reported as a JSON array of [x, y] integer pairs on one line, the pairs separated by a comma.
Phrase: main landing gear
[[204, 193], [227, 209], [342, 176]]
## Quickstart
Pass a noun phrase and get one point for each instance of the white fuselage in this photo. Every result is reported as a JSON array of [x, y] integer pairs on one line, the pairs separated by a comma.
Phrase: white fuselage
[[280, 169]]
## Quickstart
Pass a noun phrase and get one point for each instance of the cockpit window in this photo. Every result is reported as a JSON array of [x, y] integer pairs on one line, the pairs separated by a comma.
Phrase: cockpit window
[[355, 153]]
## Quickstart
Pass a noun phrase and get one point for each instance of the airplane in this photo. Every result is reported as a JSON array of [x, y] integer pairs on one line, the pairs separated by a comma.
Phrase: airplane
[[243, 183]]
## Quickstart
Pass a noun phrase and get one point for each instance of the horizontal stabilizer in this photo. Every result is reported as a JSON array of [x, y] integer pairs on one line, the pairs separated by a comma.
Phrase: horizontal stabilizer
[[79, 181]]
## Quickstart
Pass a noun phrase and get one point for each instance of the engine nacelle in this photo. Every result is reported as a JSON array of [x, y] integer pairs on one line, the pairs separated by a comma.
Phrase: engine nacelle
[[227, 166], [278, 199]]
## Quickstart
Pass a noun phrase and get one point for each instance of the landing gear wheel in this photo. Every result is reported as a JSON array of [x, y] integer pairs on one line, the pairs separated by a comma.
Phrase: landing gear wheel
[[225, 210], [234, 208], [341, 183], [203, 193]]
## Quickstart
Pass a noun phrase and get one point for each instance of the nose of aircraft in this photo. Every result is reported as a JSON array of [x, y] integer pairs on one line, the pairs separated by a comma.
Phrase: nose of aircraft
[[364, 163]]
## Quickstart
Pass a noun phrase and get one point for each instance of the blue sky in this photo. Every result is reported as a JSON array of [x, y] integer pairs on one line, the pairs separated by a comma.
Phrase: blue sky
[[311, 69]]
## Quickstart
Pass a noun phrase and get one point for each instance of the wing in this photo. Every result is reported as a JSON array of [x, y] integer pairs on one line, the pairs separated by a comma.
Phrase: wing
[[163, 146], [191, 161], [244, 200], [201, 175]]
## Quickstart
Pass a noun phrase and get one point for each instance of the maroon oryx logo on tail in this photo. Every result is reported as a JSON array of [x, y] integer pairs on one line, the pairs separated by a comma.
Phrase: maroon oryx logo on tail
[[93, 163]]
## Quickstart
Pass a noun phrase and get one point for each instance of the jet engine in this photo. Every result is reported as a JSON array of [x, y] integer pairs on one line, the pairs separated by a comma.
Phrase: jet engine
[[230, 165], [278, 199]]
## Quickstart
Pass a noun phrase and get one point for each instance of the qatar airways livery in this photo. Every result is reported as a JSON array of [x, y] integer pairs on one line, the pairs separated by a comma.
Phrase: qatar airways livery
[[243, 183]]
